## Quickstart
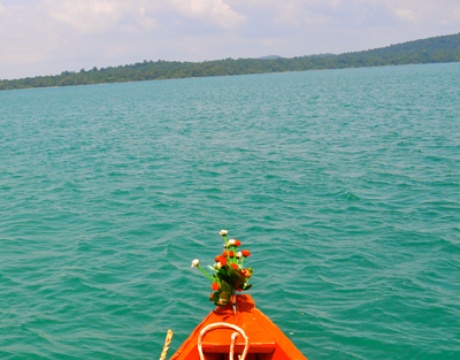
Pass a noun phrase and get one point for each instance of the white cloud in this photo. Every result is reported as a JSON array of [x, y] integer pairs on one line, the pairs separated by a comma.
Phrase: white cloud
[[49, 36], [85, 16], [212, 11], [20, 35], [98, 16], [419, 11]]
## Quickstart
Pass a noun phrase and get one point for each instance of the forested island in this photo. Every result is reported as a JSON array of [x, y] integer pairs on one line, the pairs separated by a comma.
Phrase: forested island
[[432, 50]]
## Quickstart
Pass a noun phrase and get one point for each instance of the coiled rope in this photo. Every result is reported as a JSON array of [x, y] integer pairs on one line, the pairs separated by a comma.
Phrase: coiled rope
[[169, 336], [233, 338]]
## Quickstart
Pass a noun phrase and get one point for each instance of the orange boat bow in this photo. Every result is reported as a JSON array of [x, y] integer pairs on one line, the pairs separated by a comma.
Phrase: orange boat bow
[[266, 340]]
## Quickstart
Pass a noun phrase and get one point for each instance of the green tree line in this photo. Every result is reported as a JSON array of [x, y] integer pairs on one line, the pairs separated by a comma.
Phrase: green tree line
[[433, 50]]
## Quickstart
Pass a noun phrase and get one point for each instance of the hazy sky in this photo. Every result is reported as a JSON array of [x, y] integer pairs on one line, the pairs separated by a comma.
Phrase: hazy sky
[[44, 37]]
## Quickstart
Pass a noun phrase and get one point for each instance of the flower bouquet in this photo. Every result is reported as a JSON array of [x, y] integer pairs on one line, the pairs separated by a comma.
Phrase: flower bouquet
[[229, 273]]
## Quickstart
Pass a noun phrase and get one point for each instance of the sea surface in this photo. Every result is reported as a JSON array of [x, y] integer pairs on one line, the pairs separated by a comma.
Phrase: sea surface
[[344, 185]]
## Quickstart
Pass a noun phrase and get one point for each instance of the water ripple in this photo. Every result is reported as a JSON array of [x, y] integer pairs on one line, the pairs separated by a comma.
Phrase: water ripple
[[343, 184]]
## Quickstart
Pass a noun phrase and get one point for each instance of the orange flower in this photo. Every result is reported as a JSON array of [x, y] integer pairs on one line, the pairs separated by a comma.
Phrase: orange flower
[[246, 253], [234, 242], [246, 273], [235, 266], [221, 259], [215, 286]]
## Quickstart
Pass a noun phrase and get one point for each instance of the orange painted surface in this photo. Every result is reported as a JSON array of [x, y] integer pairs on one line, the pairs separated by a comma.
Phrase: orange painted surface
[[266, 340]]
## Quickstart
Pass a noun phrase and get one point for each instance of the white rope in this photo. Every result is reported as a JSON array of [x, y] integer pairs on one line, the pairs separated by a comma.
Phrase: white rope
[[232, 345], [233, 338], [169, 336]]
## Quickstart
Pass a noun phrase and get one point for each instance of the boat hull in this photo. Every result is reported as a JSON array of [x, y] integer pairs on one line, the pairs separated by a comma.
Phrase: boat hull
[[266, 341]]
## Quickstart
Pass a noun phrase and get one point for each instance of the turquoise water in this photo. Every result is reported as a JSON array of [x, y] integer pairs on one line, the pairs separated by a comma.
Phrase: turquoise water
[[344, 184]]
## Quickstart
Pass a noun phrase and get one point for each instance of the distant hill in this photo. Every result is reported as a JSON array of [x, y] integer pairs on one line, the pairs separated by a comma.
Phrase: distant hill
[[432, 50], [270, 57]]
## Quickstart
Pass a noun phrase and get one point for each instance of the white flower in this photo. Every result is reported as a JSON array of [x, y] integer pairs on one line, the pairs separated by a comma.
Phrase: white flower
[[223, 233], [231, 242], [239, 254], [218, 265], [195, 263]]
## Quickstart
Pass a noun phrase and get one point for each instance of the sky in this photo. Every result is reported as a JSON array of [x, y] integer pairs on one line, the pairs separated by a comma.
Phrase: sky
[[47, 37]]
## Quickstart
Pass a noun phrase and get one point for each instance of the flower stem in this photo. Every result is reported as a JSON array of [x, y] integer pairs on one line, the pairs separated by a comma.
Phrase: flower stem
[[205, 273]]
